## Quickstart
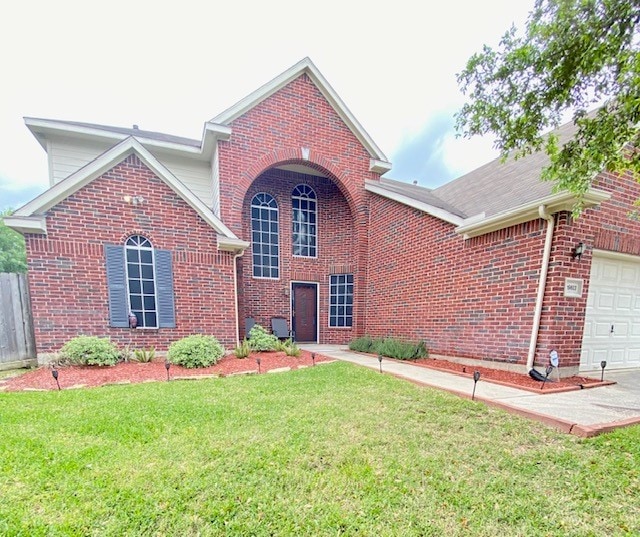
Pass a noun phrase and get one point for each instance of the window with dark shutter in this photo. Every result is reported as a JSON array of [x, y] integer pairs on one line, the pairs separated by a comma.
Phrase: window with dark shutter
[[140, 281]]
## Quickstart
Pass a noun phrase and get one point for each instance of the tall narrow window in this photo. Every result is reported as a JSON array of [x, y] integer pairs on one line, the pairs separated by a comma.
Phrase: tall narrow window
[[141, 281], [303, 201], [264, 236], [341, 300]]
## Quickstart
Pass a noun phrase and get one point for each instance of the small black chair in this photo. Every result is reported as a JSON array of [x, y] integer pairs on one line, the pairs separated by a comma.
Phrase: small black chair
[[280, 329], [249, 322]]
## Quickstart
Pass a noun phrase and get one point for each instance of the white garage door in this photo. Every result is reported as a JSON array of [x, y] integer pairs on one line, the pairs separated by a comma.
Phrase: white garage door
[[612, 321]]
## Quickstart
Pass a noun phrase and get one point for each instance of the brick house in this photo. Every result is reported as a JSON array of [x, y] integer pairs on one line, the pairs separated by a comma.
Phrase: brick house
[[280, 209]]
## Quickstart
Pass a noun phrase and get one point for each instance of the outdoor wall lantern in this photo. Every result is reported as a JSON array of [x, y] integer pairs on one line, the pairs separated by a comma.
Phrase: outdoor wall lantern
[[577, 251]]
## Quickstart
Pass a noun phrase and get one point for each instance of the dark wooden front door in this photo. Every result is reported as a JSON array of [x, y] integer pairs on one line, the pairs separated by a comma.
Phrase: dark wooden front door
[[305, 308]]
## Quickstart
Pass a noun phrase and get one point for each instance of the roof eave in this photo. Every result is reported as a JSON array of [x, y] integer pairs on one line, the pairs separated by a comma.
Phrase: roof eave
[[228, 244], [563, 201], [27, 224], [437, 212], [44, 129], [379, 166]]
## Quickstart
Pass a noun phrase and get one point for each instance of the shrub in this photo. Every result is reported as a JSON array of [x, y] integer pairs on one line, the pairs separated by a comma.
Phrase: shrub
[[195, 351], [144, 356], [261, 340], [89, 350], [243, 350], [390, 347], [362, 344], [291, 349]]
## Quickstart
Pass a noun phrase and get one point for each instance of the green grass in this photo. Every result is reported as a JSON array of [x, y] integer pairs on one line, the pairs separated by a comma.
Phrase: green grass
[[329, 450]]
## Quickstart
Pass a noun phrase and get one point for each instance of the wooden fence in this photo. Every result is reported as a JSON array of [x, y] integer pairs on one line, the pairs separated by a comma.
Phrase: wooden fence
[[17, 342]]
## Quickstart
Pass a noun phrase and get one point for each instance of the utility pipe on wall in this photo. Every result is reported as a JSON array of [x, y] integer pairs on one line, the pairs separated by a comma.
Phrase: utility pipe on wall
[[542, 284], [235, 294]]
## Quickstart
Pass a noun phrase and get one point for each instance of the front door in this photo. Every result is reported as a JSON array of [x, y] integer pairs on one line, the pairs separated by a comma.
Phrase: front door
[[305, 308]]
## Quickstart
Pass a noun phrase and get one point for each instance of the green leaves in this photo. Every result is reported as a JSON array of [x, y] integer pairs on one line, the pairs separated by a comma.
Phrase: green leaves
[[13, 256], [573, 57]]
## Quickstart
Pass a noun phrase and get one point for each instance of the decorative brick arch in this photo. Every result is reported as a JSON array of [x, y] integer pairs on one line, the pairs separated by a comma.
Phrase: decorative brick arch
[[314, 160]]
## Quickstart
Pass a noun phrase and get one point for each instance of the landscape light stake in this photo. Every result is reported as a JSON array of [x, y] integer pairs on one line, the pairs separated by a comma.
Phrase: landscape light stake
[[167, 365], [313, 358], [258, 362], [603, 364], [380, 361], [547, 371], [54, 372], [476, 378]]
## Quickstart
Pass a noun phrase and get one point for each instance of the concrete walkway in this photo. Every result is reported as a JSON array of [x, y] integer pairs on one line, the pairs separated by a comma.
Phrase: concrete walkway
[[582, 412]]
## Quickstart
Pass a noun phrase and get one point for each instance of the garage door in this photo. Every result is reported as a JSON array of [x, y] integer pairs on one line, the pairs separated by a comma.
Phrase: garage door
[[612, 321]]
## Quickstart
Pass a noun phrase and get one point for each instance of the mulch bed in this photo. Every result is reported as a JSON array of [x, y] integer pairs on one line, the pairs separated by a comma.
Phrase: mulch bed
[[516, 380], [131, 372]]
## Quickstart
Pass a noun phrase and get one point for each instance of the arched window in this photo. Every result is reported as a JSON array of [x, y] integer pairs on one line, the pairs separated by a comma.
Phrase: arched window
[[141, 281], [304, 232], [264, 236]]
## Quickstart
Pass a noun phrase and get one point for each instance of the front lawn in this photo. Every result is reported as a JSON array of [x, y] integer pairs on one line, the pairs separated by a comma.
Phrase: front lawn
[[329, 450]]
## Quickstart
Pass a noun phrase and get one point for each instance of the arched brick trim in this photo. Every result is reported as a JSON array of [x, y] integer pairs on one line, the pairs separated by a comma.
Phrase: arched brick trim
[[314, 161], [144, 232]]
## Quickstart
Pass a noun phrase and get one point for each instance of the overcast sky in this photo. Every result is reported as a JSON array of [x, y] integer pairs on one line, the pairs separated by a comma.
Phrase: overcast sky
[[170, 67]]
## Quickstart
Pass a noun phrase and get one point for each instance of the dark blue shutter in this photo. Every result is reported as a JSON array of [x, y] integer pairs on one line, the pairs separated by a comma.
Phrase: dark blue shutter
[[164, 290], [117, 284]]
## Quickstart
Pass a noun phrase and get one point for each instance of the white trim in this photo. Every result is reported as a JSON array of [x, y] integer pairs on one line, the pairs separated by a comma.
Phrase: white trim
[[616, 255], [230, 244], [304, 66], [442, 214], [44, 129], [27, 224], [379, 166], [108, 160], [317, 284], [554, 203]]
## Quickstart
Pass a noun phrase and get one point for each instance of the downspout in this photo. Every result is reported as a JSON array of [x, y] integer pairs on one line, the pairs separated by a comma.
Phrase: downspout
[[542, 284], [235, 294]]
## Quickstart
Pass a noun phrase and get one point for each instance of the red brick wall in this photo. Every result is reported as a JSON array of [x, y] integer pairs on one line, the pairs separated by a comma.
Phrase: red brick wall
[[67, 275], [607, 227], [266, 298], [464, 299], [476, 298], [274, 132]]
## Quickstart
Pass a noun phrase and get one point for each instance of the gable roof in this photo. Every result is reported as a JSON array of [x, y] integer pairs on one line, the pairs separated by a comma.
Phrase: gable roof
[[306, 66], [30, 217]]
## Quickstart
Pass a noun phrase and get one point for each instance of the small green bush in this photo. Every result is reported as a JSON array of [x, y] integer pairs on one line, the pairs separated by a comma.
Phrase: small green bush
[[243, 350], [261, 340], [362, 344], [89, 350], [144, 356], [195, 351], [390, 347], [292, 349]]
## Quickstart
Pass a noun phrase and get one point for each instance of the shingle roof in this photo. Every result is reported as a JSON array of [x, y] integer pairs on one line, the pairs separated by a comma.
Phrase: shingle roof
[[419, 193], [498, 186], [139, 133]]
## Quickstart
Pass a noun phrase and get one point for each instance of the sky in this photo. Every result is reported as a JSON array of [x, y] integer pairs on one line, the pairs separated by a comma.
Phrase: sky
[[171, 66]]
